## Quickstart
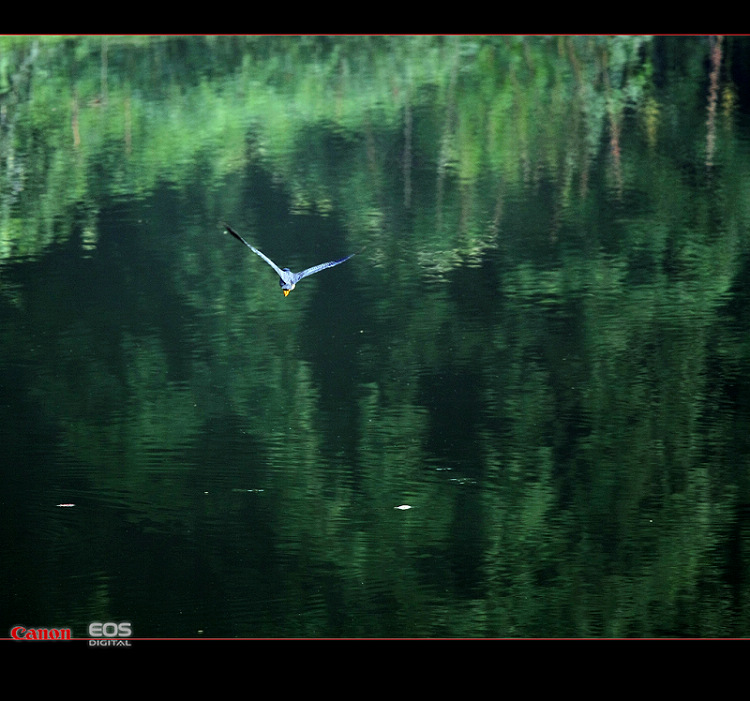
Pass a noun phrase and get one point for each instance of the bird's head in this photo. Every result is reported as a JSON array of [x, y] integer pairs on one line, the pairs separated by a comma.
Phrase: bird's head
[[286, 287]]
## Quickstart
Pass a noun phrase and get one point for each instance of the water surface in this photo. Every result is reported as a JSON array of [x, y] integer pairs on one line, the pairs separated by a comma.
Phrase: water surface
[[541, 348]]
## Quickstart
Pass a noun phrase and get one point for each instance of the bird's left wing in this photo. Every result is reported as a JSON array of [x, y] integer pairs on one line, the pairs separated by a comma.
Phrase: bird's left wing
[[322, 266], [255, 250]]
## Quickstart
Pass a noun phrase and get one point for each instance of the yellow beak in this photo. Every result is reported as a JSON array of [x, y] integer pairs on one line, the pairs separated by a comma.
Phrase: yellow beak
[[286, 292]]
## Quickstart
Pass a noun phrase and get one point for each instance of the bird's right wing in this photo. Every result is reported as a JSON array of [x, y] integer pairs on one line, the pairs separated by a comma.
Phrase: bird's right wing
[[322, 266], [255, 250]]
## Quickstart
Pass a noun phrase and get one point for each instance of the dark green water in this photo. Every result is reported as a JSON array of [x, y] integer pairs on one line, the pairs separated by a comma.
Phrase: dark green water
[[541, 348]]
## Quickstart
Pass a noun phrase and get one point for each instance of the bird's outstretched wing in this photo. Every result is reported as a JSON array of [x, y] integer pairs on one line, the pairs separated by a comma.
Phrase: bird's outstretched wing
[[322, 266], [255, 250]]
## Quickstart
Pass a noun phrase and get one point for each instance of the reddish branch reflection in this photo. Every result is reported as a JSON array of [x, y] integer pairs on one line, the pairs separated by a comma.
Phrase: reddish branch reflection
[[713, 96]]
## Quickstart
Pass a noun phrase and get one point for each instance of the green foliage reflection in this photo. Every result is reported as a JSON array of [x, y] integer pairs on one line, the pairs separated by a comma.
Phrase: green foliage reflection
[[547, 360]]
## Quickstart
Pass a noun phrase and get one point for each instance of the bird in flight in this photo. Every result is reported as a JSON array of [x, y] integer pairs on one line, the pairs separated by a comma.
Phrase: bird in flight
[[288, 280]]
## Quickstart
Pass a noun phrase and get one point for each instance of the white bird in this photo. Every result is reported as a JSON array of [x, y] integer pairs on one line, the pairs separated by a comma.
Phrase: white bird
[[287, 279]]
